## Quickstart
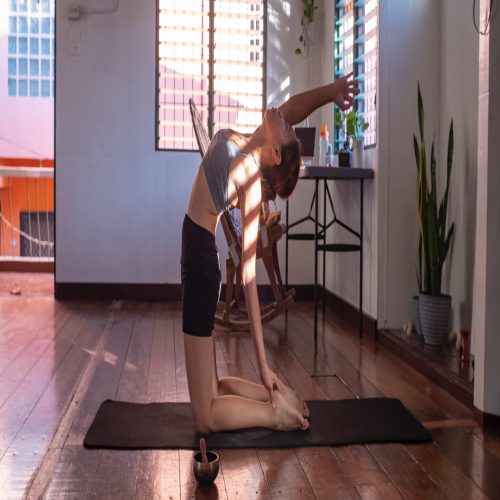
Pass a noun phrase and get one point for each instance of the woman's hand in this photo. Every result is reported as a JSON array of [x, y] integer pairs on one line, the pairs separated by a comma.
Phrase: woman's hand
[[270, 380], [344, 90]]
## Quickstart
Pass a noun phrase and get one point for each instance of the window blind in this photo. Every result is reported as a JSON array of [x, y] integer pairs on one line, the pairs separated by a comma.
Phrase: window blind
[[356, 35], [213, 51]]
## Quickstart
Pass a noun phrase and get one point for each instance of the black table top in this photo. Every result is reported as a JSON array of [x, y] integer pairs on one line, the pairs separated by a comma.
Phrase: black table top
[[341, 173]]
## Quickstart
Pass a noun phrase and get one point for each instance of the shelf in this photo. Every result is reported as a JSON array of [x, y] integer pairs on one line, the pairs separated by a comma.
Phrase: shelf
[[339, 247], [441, 364], [303, 237]]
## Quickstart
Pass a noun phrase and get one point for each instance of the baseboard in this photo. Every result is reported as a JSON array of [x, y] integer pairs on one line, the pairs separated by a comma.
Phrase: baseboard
[[153, 292], [117, 291], [172, 292], [486, 420], [434, 371], [15, 266]]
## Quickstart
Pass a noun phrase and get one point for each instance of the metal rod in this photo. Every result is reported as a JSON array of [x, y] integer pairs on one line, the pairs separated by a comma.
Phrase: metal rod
[[286, 248], [11, 221], [3, 226], [316, 260], [37, 212], [347, 228], [361, 261], [324, 242], [47, 216], [29, 218]]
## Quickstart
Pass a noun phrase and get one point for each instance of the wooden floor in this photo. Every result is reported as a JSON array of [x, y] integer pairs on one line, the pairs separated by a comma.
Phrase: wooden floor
[[60, 360]]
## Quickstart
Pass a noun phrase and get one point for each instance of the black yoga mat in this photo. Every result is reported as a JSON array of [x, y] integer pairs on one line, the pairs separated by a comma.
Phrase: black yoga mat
[[123, 425]]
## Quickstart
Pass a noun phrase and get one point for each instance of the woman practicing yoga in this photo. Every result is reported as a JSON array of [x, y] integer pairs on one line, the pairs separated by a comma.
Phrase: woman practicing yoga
[[240, 170]]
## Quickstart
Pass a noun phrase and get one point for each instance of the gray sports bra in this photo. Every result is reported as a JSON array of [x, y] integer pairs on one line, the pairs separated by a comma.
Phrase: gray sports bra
[[216, 163]]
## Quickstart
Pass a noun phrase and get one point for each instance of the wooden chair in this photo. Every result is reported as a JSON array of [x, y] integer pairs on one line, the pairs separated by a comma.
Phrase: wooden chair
[[232, 314]]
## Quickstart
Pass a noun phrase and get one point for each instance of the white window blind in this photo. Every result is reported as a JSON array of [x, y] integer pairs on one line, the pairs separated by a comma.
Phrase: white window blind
[[356, 36], [213, 51]]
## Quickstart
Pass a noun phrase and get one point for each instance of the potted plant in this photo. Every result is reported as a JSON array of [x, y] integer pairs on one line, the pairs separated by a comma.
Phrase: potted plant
[[352, 126], [434, 238], [308, 8]]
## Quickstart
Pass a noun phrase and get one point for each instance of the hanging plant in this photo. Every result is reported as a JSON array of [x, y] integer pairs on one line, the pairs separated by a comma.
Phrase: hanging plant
[[308, 8]]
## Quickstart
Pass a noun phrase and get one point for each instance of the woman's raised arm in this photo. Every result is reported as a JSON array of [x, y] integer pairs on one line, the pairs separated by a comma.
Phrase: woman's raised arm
[[300, 106]]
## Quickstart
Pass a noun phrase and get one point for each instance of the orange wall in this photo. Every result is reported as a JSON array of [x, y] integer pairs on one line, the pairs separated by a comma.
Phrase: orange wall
[[41, 198]]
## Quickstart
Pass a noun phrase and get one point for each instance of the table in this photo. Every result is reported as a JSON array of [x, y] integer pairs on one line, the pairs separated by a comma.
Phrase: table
[[325, 174]]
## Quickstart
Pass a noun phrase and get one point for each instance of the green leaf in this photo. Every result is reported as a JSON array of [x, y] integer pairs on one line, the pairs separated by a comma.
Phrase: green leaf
[[420, 114], [447, 241], [417, 156]]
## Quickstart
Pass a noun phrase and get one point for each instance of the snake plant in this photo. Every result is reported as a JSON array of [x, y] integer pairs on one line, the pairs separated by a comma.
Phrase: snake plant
[[434, 238]]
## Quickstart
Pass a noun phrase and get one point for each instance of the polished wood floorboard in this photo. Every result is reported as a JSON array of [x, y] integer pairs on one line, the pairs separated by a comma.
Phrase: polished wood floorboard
[[60, 360]]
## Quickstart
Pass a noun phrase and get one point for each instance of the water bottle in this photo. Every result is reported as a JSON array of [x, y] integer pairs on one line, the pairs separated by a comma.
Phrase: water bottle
[[329, 155], [323, 140]]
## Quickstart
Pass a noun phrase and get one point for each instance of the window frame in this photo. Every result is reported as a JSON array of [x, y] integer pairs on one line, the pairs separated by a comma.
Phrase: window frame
[[210, 93], [357, 4], [25, 43]]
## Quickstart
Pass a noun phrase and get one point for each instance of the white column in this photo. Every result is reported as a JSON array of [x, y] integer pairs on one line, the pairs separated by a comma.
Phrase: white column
[[486, 298]]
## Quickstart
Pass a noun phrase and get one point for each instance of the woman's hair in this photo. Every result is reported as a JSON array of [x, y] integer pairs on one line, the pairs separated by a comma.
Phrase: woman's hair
[[281, 179]]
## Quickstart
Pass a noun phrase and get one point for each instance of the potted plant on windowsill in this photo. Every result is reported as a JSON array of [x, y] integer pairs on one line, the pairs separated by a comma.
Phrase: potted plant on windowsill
[[434, 238], [352, 126]]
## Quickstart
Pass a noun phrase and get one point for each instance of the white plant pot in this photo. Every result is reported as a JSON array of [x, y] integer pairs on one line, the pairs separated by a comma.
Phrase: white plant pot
[[434, 317], [358, 146]]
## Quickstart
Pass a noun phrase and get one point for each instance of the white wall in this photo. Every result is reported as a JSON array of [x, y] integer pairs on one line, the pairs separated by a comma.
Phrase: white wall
[[409, 52], [119, 203], [458, 100], [486, 314], [434, 43]]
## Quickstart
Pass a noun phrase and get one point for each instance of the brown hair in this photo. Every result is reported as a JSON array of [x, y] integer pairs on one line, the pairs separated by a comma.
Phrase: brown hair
[[281, 179]]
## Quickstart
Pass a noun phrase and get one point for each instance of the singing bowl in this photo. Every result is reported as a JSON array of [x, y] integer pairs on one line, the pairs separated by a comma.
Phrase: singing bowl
[[206, 472]]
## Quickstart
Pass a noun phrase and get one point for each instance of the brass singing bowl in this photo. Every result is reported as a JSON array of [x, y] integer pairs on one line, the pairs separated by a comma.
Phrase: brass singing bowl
[[206, 472]]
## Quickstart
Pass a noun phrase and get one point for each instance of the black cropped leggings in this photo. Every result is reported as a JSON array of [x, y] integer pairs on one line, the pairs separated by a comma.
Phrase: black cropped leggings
[[201, 279]]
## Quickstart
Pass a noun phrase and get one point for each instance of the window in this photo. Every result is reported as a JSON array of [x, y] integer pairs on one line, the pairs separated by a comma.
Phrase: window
[[213, 51], [31, 48], [39, 226], [356, 35]]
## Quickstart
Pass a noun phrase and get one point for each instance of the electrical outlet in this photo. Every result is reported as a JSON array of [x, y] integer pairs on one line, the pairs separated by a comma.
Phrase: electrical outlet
[[73, 11]]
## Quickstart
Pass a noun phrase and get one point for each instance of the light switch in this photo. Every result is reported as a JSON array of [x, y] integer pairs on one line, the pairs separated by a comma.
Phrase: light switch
[[73, 11]]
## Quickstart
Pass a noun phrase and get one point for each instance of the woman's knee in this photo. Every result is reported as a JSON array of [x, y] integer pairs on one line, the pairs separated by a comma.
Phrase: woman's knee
[[203, 422]]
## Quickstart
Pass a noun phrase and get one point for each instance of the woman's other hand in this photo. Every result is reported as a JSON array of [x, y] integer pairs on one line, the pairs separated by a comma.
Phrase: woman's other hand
[[344, 90]]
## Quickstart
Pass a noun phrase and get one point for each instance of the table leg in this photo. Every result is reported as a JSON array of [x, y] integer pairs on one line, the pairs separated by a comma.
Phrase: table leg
[[324, 243], [316, 260], [286, 250], [361, 260]]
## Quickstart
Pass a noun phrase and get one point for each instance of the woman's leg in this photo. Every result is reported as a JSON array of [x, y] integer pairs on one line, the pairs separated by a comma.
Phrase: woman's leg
[[245, 388], [213, 412], [250, 390]]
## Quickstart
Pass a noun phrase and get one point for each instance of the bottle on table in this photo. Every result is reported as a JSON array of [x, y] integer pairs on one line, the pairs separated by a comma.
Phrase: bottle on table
[[323, 144]]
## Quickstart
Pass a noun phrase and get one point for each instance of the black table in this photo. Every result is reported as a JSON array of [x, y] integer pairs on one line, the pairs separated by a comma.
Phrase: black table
[[325, 174]]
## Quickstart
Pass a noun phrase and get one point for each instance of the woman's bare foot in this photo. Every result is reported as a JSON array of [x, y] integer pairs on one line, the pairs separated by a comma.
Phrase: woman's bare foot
[[288, 417], [293, 400]]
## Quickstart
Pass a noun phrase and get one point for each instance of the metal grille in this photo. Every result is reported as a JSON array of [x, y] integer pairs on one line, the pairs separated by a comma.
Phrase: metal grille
[[213, 51], [356, 35], [40, 226]]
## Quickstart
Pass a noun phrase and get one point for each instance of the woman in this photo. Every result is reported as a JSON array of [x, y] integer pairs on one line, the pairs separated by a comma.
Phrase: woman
[[237, 170]]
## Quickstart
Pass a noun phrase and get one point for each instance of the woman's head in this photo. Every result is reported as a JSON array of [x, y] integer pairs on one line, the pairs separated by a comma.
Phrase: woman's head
[[281, 179], [280, 173]]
